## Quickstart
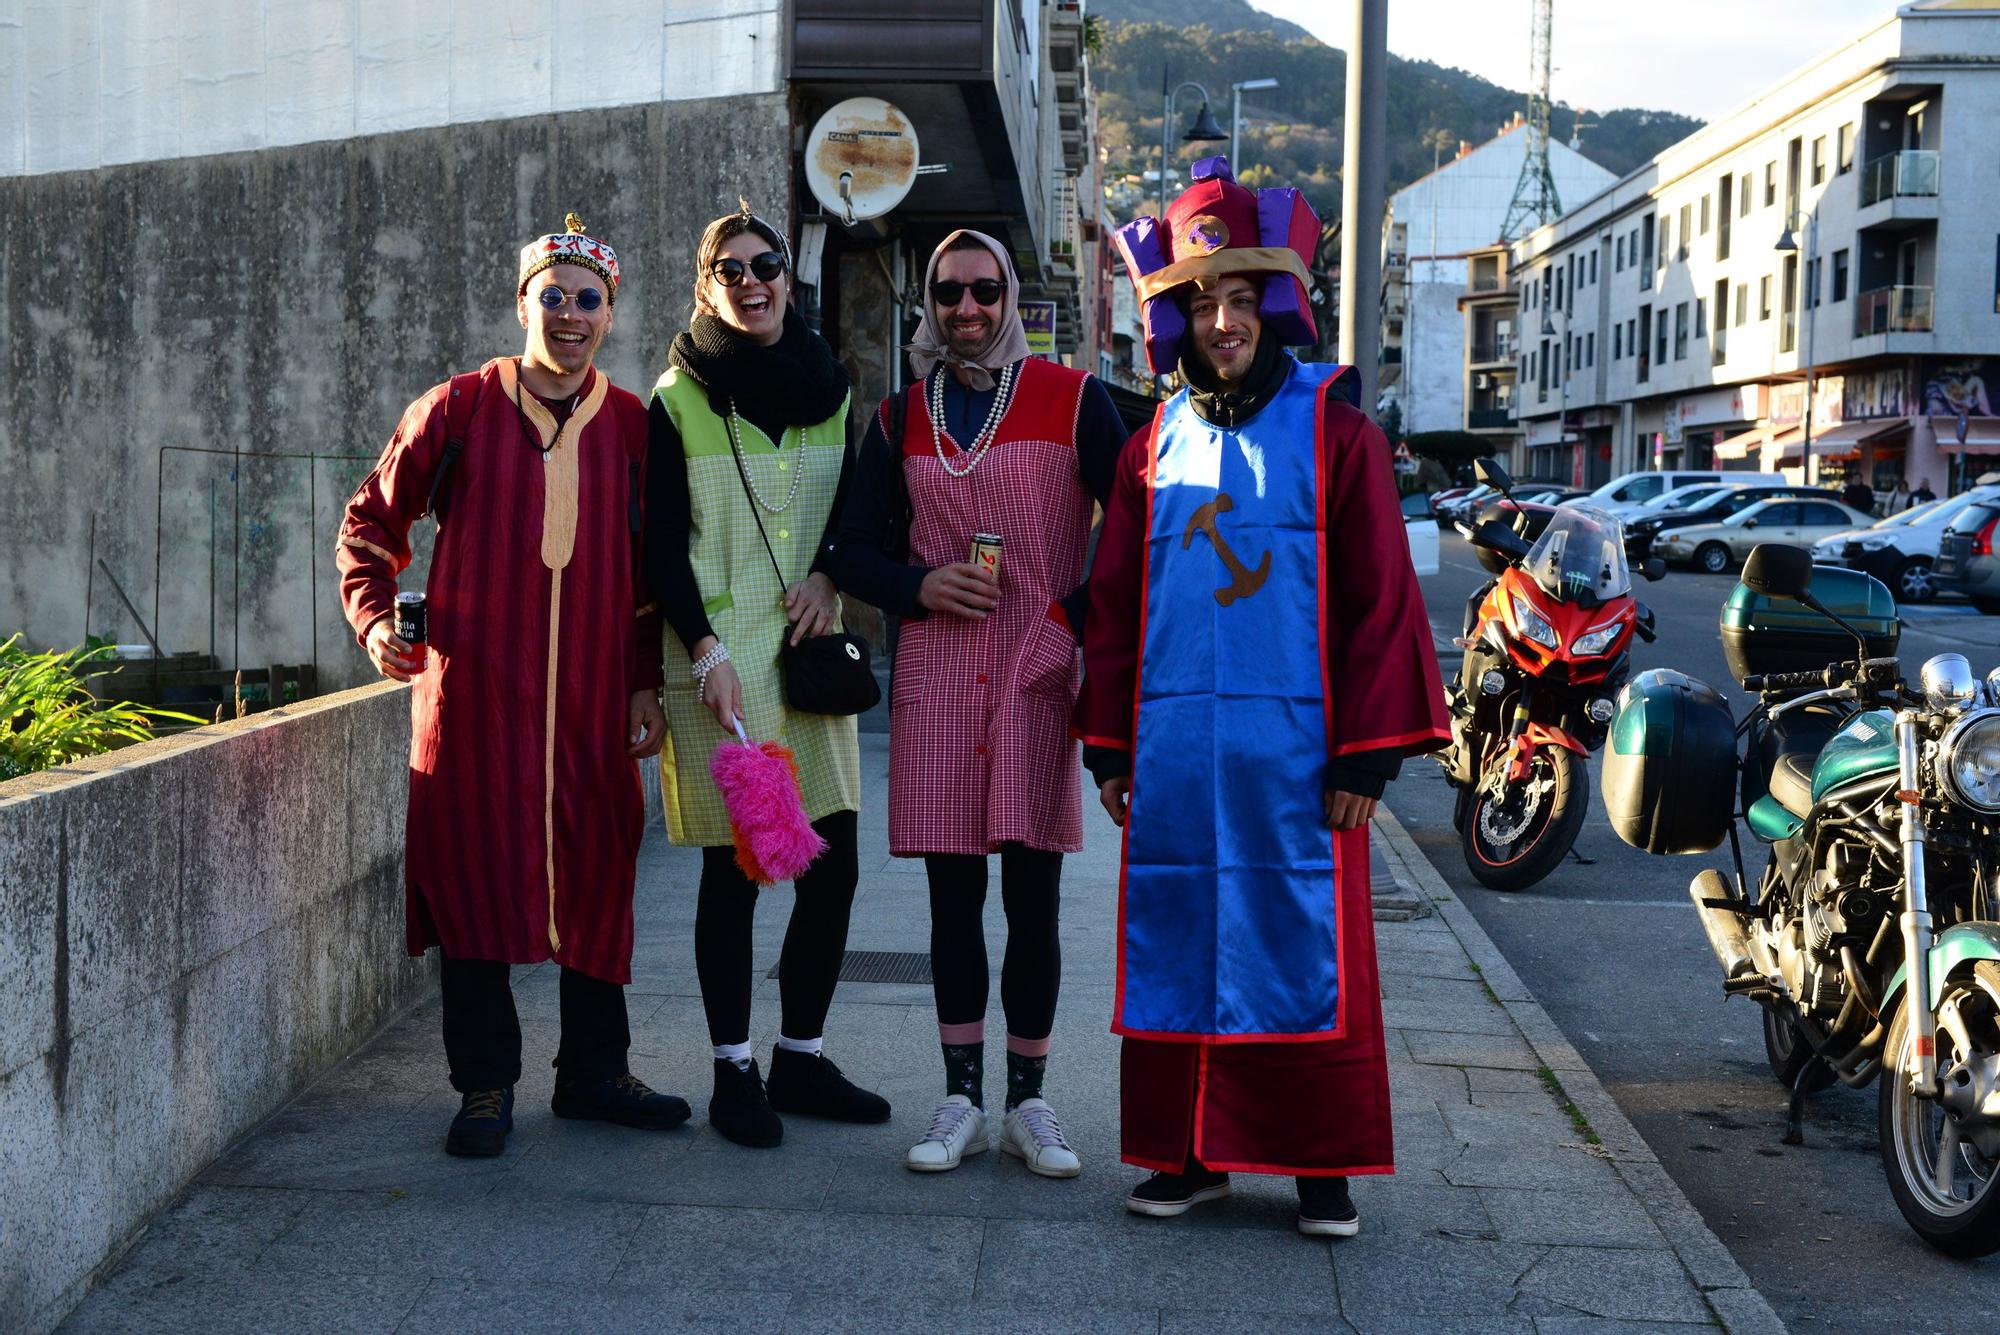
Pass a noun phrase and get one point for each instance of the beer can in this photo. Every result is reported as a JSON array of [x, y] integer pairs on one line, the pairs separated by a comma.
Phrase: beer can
[[412, 623], [986, 553]]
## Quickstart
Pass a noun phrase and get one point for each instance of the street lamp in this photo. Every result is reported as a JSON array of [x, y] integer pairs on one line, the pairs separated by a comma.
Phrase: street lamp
[[1236, 91], [1204, 130], [1788, 246]]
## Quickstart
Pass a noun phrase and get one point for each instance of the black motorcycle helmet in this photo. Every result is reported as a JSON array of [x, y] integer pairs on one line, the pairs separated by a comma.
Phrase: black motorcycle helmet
[[1528, 520]]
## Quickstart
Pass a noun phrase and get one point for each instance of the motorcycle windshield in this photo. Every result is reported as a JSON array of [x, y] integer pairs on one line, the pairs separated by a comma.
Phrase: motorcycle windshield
[[1581, 557]]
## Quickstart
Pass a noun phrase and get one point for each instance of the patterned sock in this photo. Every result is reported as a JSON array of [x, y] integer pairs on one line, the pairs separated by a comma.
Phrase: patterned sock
[[962, 1074], [1024, 1078]]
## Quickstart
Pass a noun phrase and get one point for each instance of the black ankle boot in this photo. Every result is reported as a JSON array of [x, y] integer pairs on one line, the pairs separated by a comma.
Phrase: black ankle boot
[[809, 1083], [740, 1112]]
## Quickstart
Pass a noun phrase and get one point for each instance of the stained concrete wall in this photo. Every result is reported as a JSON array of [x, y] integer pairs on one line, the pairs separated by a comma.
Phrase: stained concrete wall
[[294, 300], [190, 931]]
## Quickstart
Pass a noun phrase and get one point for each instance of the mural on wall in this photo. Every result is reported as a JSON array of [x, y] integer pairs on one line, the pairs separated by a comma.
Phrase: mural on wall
[[1883, 393], [1956, 386]]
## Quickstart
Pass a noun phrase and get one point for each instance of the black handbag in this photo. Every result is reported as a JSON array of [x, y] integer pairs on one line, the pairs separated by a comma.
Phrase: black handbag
[[824, 674]]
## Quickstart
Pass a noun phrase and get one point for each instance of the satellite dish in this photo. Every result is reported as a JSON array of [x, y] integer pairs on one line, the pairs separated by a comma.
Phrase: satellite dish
[[861, 158]]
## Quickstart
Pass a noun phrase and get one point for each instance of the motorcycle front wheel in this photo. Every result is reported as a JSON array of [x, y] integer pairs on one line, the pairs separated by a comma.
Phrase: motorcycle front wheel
[[1515, 840], [1941, 1156]]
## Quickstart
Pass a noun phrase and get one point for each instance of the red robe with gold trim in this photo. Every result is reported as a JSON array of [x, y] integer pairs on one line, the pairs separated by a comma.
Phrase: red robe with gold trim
[[1305, 1106], [525, 811]]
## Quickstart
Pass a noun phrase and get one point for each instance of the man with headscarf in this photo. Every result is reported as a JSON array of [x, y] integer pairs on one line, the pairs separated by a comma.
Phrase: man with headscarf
[[988, 441], [536, 690], [1257, 663]]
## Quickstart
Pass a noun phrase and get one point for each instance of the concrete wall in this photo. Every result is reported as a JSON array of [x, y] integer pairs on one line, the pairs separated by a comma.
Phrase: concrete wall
[[191, 930], [295, 300]]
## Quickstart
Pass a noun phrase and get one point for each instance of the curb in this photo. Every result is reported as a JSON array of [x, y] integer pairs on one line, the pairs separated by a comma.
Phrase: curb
[[1737, 1305]]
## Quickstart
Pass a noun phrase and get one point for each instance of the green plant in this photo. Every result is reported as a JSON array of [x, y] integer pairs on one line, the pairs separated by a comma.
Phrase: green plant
[[48, 717]]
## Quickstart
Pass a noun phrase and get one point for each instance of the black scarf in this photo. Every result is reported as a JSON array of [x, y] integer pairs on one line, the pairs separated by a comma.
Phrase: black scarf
[[1225, 405], [795, 381]]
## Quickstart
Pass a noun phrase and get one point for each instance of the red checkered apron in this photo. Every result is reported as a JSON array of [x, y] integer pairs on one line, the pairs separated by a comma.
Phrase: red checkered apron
[[980, 752]]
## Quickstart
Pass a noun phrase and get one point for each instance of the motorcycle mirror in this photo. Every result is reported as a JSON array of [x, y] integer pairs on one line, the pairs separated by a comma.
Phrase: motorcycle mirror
[[1498, 537], [1493, 473], [1778, 571], [1653, 568]]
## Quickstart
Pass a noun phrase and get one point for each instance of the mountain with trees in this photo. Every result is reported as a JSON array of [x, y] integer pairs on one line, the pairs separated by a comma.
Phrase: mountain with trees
[[1291, 134]]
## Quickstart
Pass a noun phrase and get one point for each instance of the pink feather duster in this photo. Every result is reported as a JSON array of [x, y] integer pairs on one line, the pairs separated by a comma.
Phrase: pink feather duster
[[775, 840]]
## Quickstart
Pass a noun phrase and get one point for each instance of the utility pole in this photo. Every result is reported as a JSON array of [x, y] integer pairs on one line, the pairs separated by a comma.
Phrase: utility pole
[[1364, 169]]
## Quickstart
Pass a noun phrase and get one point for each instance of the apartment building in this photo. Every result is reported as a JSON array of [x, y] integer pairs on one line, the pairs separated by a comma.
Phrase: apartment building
[[1489, 316], [1838, 228]]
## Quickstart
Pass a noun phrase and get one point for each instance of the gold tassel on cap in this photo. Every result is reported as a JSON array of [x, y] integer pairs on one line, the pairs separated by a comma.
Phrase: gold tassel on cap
[[572, 223]]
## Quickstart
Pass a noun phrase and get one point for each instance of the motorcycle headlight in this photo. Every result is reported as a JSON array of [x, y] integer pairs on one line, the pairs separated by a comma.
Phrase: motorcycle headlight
[[1596, 640], [1968, 760], [1533, 624]]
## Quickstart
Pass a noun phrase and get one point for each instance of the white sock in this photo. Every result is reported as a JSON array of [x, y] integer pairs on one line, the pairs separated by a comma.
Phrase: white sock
[[738, 1053], [791, 1044]]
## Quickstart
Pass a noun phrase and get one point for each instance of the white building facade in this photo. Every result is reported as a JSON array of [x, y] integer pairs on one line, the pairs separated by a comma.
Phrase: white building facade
[[1840, 223]]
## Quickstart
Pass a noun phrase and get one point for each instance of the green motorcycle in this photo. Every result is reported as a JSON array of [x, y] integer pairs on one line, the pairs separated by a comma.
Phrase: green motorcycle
[[1881, 807]]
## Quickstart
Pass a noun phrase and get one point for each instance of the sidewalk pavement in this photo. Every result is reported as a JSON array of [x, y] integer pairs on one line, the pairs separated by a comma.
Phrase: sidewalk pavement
[[1524, 1201]]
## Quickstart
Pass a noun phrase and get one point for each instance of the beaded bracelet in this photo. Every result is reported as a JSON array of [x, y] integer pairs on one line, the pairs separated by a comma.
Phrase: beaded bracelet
[[708, 663]]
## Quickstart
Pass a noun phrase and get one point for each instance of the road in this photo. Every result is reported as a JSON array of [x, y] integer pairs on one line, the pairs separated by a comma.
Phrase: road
[[1610, 945]]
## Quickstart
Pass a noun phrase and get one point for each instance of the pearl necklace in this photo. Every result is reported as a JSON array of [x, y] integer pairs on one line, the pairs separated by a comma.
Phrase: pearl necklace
[[736, 442], [981, 442]]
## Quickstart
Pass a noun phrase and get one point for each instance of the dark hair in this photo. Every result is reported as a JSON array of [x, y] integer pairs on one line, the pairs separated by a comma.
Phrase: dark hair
[[728, 226]]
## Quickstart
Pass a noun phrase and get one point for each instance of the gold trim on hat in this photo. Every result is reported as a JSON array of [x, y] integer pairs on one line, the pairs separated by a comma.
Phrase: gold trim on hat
[[1235, 259]]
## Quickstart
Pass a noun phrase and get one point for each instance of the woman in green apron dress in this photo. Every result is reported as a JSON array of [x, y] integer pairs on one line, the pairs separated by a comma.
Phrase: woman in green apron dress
[[747, 459]]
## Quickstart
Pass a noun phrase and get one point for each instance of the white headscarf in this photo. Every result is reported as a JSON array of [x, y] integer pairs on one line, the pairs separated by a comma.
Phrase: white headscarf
[[1008, 341]]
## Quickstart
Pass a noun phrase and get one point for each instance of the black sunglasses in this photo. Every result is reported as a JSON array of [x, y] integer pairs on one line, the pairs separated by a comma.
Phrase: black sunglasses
[[729, 270], [587, 299], [985, 291]]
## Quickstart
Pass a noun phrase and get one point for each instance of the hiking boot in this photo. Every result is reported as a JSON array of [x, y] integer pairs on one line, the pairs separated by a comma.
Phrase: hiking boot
[[740, 1111], [809, 1083], [1164, 1195], [485, 1116], [957, 1129], [1325, 1208], [1031, 1134], [623, 1099]]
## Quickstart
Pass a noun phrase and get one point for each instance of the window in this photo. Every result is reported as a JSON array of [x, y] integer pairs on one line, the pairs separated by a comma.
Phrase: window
[[1562, 276], [1722, 216], [1822, 514], [1593, 268], [1774, 514], [1843, 150], [1839, 276], [1704, 215], [1812, 282], [1794, 153], [1701, 317], [1742, 303], [1788, 299], [1996, 276], [1764, 297], [1819, 160], [1720, 338], [1644, 231], [1743, 203], [1617, 342], [1770, 184], [1632, 325], [1680, 330], [1590, 349], [1642, 326], [1687, 231], [1618, 257], [1660, 344]]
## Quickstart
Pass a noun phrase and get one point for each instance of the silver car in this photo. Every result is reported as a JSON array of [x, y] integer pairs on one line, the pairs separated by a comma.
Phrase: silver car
[[1717, 547]]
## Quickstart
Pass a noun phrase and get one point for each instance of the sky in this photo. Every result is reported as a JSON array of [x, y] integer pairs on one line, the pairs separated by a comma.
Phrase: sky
[[1697, 57]]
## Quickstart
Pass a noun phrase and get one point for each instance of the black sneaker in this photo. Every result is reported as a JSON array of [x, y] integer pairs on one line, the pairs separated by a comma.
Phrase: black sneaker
[[623, 1099], [485, 1116], [1164, 1195], [740, 1111], [1325, 1208], [809, 1083]]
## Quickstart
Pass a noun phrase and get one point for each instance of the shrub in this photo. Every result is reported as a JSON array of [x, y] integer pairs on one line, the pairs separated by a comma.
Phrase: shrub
[[48, 717]]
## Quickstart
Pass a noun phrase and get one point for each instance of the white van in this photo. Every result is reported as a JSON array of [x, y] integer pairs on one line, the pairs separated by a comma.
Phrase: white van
[[1627, 492]]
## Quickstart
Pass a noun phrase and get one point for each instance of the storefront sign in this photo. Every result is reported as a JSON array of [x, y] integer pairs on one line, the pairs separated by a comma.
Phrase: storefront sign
[[1956, 386], [1737, 403], [1789, 399], [1039, 319], [1882, 393]]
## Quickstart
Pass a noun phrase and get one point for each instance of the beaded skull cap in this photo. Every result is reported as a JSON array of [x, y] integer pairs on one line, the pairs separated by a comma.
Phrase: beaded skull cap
[[570, 246]]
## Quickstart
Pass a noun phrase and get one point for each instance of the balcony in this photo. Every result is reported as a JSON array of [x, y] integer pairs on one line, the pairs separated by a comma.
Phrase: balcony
[[1498, 349], [1486, 285], [1909, 172], [1893, 310], [1489, 419], [1395, 259]]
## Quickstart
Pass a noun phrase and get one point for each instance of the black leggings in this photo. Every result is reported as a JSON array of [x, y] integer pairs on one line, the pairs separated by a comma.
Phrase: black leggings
[[1031, 972], [815, 940]]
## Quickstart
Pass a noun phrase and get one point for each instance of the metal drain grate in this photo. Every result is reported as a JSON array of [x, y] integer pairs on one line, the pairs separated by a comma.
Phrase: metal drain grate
[[881, 966]]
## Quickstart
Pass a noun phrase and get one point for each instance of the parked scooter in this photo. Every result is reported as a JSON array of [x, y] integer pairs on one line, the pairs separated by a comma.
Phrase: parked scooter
[[1546, 647], [1881, 806]]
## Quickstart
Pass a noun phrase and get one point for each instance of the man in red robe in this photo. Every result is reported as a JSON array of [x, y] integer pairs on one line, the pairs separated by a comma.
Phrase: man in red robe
[[534, 695], [1253, 615]]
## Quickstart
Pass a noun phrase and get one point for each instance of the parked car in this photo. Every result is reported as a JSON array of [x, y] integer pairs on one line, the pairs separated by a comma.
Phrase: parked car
[[1420, 527], [1965, 561], [1706, 505], [1902, 550], [1464, 505], [1717, 547], [1628, 489], [1546, 494]]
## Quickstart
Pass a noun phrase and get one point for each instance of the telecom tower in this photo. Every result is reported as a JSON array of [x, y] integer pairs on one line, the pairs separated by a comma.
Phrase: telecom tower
[[1535, 196]]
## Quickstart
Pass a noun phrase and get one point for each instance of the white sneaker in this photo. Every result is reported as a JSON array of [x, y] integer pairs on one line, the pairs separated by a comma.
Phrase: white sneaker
[[957, 1129], [1031, 1134]]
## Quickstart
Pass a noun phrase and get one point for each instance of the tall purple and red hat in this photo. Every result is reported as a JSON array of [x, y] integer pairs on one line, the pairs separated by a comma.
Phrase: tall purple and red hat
[[1218, 227]]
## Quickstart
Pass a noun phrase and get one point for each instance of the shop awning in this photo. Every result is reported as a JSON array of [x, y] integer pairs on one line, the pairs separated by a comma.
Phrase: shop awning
[[1844, 441], [1756, 439], [1982, 435]]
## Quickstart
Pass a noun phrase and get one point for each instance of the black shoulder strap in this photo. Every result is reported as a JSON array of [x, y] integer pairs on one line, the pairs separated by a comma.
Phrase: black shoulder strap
[[459, 406]]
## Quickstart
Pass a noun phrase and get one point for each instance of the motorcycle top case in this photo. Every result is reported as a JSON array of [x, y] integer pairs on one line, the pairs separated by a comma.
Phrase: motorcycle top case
[[1761, 634], [1669, 764]]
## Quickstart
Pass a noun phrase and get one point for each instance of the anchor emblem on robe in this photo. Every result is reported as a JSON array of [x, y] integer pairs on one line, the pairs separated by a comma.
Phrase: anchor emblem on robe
[[1243, 581]]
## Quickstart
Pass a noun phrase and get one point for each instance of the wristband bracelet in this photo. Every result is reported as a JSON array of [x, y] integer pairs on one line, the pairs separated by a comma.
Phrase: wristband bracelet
[[708, 663]]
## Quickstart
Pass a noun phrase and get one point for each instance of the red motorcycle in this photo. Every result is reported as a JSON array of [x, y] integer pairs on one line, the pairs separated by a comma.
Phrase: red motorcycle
[[1547, 645]]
